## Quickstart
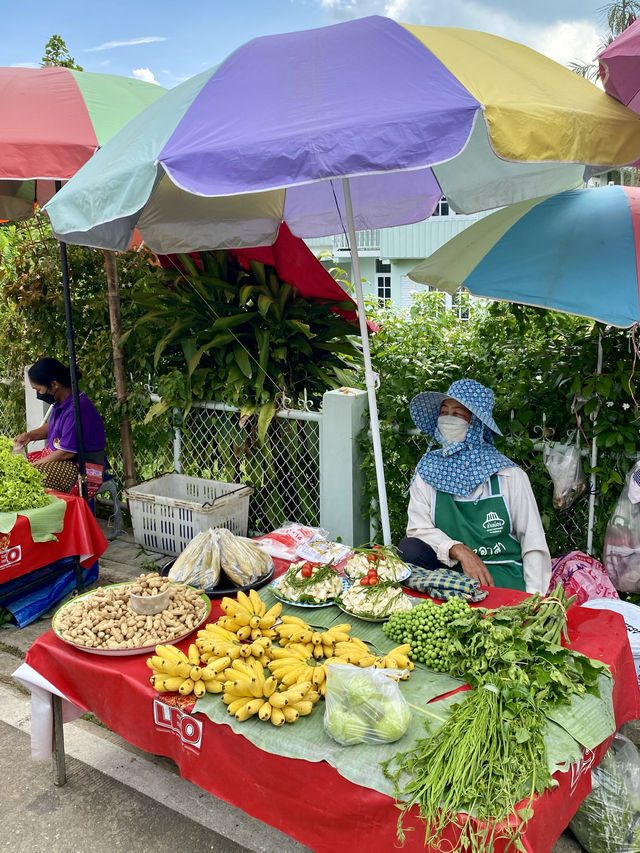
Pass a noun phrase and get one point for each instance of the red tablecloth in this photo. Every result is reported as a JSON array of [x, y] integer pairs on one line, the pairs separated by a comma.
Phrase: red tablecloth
[[310, 802], [80, 536]]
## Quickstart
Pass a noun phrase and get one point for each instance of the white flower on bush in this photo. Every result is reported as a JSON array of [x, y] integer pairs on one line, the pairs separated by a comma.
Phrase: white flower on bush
[[626, 406]]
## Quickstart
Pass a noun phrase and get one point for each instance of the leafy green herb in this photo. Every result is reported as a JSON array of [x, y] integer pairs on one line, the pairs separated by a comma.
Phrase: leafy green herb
[[294, 579], [21, 485]]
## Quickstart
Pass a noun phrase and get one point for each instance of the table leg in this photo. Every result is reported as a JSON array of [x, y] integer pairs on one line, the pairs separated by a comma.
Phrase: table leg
[[59, 768]]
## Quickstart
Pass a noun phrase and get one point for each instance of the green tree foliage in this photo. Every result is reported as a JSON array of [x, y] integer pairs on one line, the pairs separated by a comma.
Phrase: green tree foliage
[[242, 336], [32, 325], [617, 16], [537, 362], [57, 53]]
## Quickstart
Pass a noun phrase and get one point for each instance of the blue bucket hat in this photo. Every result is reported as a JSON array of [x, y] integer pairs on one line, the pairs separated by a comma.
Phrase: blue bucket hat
[[425, 407]]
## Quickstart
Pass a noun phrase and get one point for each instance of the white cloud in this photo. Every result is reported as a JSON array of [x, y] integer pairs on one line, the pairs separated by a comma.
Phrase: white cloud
[[562, 40], [144, 74], [25, 65], [109, 45]]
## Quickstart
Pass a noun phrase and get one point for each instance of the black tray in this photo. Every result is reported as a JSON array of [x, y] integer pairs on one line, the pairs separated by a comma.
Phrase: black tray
[[224, 585]]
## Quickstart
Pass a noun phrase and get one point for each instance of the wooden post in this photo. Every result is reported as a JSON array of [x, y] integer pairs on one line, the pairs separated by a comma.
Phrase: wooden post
[[118, 367]]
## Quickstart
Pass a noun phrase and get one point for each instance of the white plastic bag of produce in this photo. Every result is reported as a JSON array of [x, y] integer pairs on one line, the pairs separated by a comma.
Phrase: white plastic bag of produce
[[364, 705], [622, 540], [199, 564], [564, 465], [242, 560], [283, 543], [608, 819]]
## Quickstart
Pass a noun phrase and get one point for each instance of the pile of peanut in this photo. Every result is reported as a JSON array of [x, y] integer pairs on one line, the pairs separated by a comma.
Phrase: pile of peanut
[[104, 619], [151, 584]]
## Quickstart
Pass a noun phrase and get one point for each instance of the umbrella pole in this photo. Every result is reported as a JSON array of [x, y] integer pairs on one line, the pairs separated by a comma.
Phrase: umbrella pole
[[371, 378], [72, 366]]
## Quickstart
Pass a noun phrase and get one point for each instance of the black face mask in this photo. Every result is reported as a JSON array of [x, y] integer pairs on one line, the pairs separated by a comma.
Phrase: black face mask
[[46, 398]]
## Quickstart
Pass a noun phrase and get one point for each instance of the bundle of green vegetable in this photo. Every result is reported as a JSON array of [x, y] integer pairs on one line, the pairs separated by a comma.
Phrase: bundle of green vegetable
[[21, 485], [489, 755]]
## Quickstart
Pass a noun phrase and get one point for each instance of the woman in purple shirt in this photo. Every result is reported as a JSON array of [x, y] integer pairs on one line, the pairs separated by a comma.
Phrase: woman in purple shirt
[[52, 382]]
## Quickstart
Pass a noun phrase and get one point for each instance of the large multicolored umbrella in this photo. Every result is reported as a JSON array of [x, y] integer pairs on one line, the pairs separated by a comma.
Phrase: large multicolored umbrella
[[364, 124], [619, 67], [53, 121], [577, 252]]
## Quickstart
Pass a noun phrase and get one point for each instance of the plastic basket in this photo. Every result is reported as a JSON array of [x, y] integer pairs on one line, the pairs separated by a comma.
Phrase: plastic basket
[[167, 512]]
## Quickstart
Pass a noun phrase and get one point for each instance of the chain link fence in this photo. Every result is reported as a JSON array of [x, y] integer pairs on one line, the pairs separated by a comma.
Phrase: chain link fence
[[216, 443]]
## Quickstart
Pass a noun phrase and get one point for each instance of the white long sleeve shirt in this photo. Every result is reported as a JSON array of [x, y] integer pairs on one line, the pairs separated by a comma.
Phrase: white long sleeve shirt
[[525, 521]]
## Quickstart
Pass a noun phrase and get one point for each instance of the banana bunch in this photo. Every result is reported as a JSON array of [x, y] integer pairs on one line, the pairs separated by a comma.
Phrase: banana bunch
[[172, 670], [215, 642], [295, 631], [294, 665], [359, 654], [248, 692], [248, 616]]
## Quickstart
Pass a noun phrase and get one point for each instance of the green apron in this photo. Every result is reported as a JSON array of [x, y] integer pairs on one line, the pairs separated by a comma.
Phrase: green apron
[[484, 525]]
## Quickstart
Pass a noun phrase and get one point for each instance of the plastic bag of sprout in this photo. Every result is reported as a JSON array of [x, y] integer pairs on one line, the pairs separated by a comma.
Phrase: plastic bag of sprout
[[364, 705], [608, 819]]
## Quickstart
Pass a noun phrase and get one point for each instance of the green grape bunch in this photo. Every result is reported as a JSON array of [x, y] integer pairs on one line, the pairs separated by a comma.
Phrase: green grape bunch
[[426, 628], [21, 485]]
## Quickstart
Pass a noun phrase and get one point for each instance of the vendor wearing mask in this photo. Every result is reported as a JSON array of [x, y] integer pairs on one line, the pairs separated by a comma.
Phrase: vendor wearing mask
[[470, 507], [51, 380]]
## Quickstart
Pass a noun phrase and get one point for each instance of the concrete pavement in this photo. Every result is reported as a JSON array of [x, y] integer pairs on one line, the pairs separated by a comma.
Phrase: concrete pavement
[[117, 797]]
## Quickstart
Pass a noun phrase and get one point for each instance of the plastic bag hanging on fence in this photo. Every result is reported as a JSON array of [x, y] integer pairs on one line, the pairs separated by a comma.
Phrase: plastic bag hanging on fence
[[564, 464], [608, 819], [622, 539]]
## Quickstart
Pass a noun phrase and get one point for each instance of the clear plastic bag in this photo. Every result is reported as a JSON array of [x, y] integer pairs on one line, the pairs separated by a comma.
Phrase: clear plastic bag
[[242, 560], [564, 464], [622, 540], [608, 819], [199, 564], [364, 705]]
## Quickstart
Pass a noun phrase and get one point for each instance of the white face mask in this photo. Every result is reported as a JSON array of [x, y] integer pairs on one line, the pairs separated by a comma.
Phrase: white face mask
[[452, 428]]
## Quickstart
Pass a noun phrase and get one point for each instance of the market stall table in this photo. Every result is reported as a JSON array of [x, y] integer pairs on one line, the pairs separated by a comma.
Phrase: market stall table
[[81, 536], [333, 814]]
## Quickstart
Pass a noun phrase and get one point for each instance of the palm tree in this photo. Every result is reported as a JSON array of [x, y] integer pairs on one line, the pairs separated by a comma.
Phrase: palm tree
[[618, 16]]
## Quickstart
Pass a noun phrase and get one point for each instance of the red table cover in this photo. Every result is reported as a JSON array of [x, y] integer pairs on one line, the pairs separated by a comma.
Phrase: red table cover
[[308, 801], [81, 536]]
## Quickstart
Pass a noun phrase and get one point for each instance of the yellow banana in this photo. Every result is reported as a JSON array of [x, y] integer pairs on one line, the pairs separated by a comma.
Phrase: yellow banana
[[167, 685], [199, 689], [234, 706], [269, 687], [243, 633], [327, 650], [249, 710], [195, 673], [278, 700], [213, 685], [318, 652], [319, 675], [245, 602], [277, 717], [193, 654], [186, 687], [303, 707], [259, 606], [294, 620], [265, 711], [171, 653], [367, 660], [256, 633], [290, 714]]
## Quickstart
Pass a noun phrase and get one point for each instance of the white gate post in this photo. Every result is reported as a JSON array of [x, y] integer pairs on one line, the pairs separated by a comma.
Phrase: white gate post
[[341, 498]]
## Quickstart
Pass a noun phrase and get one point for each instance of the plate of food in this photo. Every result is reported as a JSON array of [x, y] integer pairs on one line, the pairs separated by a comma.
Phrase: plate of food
[[373, 602], [383, 560], [306, 584], [102, 621]]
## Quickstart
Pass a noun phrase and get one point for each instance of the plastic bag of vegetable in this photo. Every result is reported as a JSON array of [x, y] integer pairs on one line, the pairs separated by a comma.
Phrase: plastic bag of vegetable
[[622, 540], [199, 563], [608, 819], [564, 465], [364, 705]]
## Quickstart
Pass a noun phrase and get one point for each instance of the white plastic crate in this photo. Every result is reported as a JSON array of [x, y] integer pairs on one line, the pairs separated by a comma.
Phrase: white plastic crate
[[167, 512]]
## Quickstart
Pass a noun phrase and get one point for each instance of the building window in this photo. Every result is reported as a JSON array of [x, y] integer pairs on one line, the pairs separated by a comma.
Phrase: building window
[[383, 281], [442, 208], [460, 304]]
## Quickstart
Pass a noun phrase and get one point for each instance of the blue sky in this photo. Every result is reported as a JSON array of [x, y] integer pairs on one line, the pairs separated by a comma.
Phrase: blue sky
[[156, 42]]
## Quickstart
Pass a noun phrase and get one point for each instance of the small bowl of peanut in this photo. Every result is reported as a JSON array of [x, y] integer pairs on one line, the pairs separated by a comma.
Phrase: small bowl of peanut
[[149, 594]]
